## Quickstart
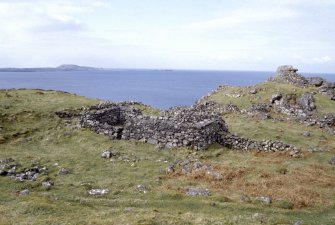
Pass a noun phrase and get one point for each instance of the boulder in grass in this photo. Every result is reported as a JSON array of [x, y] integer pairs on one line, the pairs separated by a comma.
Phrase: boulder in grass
[[98, 191], [332, 161], [197, 191]]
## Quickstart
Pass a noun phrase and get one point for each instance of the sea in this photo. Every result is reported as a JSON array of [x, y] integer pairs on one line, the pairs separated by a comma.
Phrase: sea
[[160, 88]]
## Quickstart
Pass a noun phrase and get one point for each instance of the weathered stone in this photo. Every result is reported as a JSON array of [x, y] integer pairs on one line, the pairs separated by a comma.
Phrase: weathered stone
[[24, 192], [7, 160], [299, 222], [332, 161], [315, 81], [141, 188], [245, 198], [48, 183], [170, 169], [194, 191], [98, 191], [307, 102], [276, 97], [295, 153], [307, 134], [266, 200], [215, 175], [108, 154], [153, 141], [63, 171]]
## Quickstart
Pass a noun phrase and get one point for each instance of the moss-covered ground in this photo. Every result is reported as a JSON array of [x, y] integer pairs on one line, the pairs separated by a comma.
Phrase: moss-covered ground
[[30, 132]]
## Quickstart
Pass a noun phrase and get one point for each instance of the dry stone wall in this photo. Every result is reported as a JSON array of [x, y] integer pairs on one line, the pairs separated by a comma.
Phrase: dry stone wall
[[174, 128], [196, 127]]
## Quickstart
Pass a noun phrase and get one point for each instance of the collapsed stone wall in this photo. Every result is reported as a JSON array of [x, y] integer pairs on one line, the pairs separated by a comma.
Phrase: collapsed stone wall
[[233, 141], [174, 128], [196, 127]]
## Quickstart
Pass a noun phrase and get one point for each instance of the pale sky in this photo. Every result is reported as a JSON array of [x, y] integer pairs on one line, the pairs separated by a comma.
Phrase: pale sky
[[176, 34]]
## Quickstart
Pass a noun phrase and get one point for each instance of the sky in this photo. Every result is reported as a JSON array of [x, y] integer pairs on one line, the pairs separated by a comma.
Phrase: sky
[[255, 35]]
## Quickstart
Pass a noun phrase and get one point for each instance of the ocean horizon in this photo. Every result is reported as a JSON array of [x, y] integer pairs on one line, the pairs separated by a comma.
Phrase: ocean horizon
[[161, 88]]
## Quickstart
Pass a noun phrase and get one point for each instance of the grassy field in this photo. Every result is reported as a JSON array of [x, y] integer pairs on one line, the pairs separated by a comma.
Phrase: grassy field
[[303, 189]]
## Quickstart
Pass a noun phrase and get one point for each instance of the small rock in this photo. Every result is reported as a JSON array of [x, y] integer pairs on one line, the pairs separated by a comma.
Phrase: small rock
[[245, 198], [306, 134], [295, 153], [276, 97], [253, 91], [63, 171], [8, 160], [107, 154], [307, 101], [24, 192], [48, 183], [170, 169], [141, 188], [266, 200], [299, 222], [215, 175], [316, 149], [194, 191], [98, 191], [332, 161], [316, 81]]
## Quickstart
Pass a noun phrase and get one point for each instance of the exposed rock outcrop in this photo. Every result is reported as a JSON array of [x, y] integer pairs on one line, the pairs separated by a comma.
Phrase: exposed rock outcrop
[[289, 75], [307, 102]]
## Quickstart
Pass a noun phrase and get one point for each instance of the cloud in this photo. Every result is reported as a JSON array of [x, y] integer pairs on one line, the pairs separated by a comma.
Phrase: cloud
[[45, 16], [244, 17], [314, 60], [323, 59], [58, 25]]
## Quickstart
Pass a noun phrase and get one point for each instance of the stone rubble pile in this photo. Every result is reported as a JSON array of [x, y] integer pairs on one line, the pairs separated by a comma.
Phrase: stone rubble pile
[[288, 74], [233, 141], [197, 191], [303, 111], [212, 106], [9, 169], [191, 166]]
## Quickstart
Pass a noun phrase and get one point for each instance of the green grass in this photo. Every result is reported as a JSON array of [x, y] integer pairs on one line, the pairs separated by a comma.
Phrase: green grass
[[33, 133]]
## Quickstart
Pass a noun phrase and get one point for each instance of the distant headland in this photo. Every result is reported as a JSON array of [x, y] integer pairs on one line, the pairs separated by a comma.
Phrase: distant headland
[[64, 67]]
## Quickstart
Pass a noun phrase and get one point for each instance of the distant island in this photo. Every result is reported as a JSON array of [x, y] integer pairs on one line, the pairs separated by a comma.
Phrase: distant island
[[64, 67]]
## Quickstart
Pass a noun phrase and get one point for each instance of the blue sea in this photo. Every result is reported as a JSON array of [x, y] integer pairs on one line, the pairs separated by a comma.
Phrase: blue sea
[[159, 88]]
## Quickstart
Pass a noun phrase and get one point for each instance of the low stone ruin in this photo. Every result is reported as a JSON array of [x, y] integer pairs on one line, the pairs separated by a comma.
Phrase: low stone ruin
[[173, 128], [195, 127], [233, 141]]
